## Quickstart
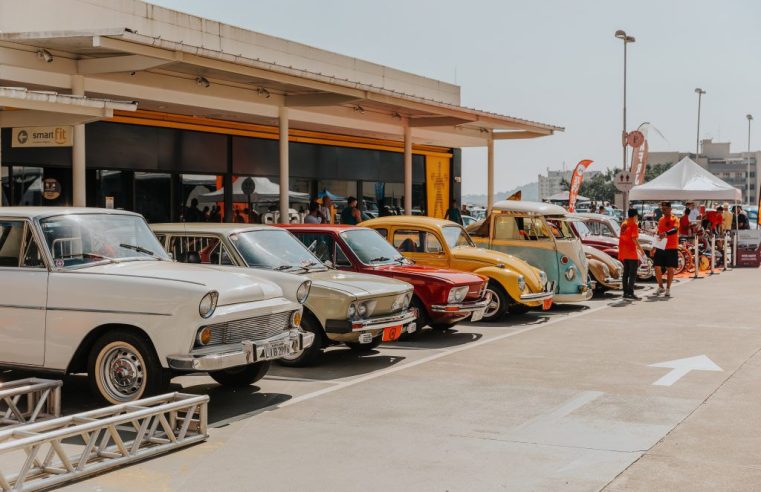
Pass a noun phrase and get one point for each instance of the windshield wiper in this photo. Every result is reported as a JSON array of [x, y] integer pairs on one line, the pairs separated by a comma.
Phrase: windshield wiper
[[380, 258], [283, 267], [139, 249]]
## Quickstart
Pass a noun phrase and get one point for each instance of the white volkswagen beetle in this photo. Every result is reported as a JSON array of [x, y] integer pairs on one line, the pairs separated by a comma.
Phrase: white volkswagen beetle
[[92, 290]]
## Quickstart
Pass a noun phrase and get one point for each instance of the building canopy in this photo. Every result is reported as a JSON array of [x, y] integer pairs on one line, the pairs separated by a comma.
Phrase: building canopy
[[686, 180]]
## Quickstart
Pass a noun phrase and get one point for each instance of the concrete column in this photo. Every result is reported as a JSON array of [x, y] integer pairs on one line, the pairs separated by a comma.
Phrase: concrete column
[[407, 170], [284, 164], [1, 167], [79, 194], [490, 173]]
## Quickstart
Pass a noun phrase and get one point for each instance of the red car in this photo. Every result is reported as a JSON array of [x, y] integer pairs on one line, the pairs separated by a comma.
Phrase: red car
[[443, 297]]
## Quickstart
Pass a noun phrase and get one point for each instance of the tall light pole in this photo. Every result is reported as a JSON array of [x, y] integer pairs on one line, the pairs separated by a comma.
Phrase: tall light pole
[[747, 175], [700, 93], [626, 39]]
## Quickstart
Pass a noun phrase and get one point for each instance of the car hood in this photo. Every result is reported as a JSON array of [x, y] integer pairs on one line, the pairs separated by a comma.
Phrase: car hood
[[428, 273], [491, 257], [358, 284], [235, 285], [596, 254], [600, 240]]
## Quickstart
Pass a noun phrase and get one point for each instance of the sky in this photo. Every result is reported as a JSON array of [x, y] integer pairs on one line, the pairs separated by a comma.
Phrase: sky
[[553, 61]]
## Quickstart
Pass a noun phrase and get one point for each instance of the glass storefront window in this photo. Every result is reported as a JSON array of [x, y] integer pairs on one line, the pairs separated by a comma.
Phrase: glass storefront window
[[114, 189], [201, 198], [27, 186], [264, 206], [153, 194], [6, 186], [341, 190], [377, 194]]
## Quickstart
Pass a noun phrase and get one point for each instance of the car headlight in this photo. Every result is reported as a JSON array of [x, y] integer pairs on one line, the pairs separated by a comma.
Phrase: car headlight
[[351, 312], [401, 302], [303, 291], [208, 304], [542, 278], [619, 265], [570, 272], [606, 271], [457, 294], [521, 282], [362, 310]]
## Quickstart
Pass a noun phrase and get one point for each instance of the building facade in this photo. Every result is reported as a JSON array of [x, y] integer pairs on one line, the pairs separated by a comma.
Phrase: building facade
[[557, 181], [209, 105]]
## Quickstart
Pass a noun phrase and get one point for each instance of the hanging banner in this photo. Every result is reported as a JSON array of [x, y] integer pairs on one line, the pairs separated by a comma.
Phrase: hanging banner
[[576, 179], [437, 185], [516, 196]]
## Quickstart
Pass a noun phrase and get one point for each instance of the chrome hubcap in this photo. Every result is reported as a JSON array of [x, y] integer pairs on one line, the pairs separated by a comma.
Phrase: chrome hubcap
[[124, 372], [493, 307]]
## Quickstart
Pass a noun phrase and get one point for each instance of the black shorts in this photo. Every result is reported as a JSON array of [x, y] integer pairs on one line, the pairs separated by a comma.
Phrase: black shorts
[[666, 258]]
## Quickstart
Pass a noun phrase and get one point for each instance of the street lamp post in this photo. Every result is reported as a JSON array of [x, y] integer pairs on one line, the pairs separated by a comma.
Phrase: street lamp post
[[626, 39], [700, 93], [747, 175]]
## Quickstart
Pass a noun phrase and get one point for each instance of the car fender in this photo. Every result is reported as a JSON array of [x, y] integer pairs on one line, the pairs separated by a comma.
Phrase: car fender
[[508, 279]]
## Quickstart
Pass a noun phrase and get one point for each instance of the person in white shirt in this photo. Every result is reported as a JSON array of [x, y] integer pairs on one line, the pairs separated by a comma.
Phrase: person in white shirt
[[326, 210], [314, 216]]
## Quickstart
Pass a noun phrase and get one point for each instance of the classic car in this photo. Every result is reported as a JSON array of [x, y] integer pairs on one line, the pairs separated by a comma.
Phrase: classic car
[[354, 309], [521, 228], [602, 232], [90, 290], [513, 284], [443, 297]]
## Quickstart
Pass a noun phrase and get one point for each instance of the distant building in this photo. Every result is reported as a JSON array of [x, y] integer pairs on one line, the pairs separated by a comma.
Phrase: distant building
[[555, 182], [717, 158]]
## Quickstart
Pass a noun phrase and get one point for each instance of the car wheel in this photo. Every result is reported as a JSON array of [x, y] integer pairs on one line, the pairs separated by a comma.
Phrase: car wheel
[[422, 319], [312, 354], [518, 308], [241, 376], [443, 326], [498, 302], [365, 347], [123, 366]]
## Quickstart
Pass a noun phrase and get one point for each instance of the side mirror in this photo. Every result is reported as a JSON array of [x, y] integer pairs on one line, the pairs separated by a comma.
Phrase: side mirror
[[329, 264]]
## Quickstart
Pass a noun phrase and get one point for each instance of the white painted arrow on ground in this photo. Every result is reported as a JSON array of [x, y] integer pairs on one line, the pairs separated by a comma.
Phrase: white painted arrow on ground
[[682, 366]]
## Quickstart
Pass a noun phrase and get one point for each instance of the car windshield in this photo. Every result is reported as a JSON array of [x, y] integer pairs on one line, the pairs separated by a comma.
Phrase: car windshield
[[274, 249], [560, 228], [581, 228], [371, 248], [80, 239], [456, 236]]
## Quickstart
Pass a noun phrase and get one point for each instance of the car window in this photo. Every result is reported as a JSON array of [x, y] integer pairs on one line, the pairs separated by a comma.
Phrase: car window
[[510, 228], [11, 236], [32, 257], [342, 260], [416, 241], [320, 244], [207, 250], [456, 236], [383, 232], [479, 229]]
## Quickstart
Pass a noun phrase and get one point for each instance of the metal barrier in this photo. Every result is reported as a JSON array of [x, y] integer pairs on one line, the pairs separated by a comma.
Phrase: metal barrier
[[28, 400], [57, 451]]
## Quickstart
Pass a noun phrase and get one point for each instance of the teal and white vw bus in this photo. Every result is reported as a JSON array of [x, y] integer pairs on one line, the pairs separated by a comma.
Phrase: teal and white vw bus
[[523, 229]]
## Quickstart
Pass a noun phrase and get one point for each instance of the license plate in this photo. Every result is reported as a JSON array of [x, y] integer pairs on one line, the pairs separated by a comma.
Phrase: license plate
[[275, 350], [546, 304], [392, 333], [477, 315]]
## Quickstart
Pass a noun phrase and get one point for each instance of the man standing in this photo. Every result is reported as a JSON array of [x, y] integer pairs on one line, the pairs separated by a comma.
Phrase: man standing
[[326, 210], [629, 251], [453, 213], [668, 258], [350, 214], [726, 218]]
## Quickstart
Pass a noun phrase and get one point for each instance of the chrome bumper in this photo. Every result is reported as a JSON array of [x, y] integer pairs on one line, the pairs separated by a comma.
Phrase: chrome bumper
[[402, 318], [461, 308], [615, 283], [246, 352], [538, 296]]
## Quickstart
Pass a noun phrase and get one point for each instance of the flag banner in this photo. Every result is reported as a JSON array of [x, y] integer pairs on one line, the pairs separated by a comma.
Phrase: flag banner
[[576, 179], [515, 196]]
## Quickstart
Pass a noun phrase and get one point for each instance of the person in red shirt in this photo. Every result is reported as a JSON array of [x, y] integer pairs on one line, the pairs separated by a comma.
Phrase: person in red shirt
[[668, 258], [685, 228], [629, 251]]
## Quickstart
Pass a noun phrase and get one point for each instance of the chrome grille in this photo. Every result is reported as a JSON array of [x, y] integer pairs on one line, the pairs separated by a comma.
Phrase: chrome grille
[[256, 328]]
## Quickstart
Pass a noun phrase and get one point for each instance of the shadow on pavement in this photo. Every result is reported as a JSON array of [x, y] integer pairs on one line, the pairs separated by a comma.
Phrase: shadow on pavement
[[338, 363], [434, 339]]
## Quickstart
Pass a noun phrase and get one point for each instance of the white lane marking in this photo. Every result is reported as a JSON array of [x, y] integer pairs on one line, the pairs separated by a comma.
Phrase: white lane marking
[[430, 358], [563, 410], [681, 367]]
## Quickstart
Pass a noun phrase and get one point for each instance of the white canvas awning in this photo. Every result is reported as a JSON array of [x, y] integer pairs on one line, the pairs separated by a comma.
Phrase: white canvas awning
[[563, 197], [686, 180]]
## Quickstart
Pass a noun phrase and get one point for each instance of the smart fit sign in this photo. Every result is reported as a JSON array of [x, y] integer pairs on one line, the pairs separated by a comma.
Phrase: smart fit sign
[[42, 136]]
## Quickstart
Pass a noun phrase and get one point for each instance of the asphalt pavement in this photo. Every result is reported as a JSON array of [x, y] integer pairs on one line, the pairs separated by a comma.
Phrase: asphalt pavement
[[655, 394]]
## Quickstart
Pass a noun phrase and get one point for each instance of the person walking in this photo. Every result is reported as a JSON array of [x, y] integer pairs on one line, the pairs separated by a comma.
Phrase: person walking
[[629, 252], [668, 258], [453, 213], [350, 214]]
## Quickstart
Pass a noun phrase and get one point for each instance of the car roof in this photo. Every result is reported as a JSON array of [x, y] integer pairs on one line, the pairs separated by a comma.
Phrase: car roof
[[409, 220], [41, 212], [209, 227], [323, 227], [539, 208], [588, 215]]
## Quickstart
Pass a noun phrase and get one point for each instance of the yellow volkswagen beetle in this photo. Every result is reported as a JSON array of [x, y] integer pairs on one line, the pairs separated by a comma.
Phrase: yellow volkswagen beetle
[[514, 285]]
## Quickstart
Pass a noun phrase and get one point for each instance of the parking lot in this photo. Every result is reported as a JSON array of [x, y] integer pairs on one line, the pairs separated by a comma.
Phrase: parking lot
[[567, 398]]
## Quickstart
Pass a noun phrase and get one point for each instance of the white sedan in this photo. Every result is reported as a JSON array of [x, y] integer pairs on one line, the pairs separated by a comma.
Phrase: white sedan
[[91, 290]]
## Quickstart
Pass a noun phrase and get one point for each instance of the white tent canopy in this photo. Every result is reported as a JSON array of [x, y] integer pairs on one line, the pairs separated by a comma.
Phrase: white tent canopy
[[686, 180], [264, 191], [563, 196]]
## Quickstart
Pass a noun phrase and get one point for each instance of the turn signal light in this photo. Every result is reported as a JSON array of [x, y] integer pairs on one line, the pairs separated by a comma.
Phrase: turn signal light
[[204, 336]]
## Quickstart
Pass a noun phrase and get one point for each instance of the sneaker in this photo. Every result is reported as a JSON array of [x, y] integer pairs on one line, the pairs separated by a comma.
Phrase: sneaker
[[634, 297], [660, 291], [668, 293]]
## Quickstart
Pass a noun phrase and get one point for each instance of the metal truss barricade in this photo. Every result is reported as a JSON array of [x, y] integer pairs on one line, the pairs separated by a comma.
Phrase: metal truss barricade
[[29, 400], [54, 452]]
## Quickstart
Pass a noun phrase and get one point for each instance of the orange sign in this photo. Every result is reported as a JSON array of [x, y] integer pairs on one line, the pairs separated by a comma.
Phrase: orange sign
[[437, 185], [392, 333], [576, 178]]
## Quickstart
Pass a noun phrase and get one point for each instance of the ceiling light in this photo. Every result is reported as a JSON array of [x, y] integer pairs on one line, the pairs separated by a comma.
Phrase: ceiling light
[[44, 54], [263, 92], [359, 109], [202, 82]]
